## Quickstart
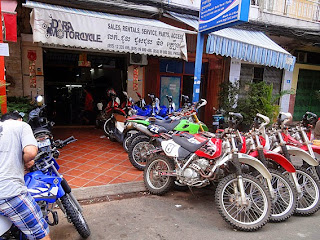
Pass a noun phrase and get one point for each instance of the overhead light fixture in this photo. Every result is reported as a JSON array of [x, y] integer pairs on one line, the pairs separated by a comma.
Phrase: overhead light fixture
[[73, 86], [100, 66]]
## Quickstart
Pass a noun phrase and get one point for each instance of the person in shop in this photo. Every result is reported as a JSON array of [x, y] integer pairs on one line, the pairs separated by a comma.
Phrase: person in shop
[[88, 107]]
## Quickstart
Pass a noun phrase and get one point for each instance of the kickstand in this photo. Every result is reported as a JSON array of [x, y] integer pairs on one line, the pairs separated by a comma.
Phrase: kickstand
[[190, 188]]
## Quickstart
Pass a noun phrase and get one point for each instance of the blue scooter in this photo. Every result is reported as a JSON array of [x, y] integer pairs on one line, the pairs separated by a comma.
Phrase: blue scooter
[[47, 186]]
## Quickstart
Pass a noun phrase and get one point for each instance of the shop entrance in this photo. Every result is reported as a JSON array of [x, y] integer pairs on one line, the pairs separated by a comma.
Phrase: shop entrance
[[68, 73]]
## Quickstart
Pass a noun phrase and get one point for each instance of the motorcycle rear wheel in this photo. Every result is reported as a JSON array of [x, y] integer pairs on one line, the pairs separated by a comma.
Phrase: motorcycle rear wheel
[[109, 128], [285, 200], [75, 216], [128, 139], [138, 151], [155, 183], [245, 217]]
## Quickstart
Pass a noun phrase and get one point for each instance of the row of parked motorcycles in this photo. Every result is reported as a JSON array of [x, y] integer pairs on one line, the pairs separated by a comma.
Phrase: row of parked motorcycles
[[266, 174], [44, 182]]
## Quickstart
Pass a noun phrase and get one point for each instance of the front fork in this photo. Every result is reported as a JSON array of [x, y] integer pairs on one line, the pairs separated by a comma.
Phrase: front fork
[[264, 162], [293, 175], [240, 179]]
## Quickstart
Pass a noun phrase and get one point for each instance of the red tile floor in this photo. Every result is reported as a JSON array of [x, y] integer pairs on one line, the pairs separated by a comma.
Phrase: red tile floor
[[93, 160]]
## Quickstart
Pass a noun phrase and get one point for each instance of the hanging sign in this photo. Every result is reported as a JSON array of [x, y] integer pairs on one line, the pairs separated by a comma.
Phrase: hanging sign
[[218, 14], [135, 79], [130, 35]]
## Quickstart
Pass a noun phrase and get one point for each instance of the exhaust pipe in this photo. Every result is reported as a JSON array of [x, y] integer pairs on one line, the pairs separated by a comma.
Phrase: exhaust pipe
[[142, 128]]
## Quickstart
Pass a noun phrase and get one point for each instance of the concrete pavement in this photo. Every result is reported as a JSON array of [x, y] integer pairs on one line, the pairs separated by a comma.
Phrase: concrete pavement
[[176, 215]]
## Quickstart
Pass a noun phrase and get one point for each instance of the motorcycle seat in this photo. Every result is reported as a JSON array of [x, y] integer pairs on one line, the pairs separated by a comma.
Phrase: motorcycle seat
[[186, 144], [167, 123]]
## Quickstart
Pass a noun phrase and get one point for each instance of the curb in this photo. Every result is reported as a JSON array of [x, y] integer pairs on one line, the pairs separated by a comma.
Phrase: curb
[[87, 193]]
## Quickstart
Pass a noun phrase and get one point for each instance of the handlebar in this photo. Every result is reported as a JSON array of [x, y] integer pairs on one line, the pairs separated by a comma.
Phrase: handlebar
[[288, 118], [201, 103], [170, 98], [233, 123], [266, 120]]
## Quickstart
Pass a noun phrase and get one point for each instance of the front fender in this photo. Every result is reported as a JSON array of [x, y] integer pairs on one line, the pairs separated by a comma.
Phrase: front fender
[[299, 153], [278, 158], [246, 159]]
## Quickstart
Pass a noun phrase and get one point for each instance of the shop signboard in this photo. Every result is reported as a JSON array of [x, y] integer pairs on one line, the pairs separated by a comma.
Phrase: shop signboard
[[218, 14], [121, 35]]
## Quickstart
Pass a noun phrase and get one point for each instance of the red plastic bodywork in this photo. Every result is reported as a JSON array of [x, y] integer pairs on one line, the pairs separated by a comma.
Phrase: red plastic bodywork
[[315, 148], [278, 158], [216, 141]]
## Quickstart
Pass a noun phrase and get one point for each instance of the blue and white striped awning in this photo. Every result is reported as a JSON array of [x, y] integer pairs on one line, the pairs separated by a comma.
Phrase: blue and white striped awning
[[250, 46]]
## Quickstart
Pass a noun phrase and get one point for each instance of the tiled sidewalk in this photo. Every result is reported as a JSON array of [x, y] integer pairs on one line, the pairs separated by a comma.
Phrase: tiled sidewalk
[[93, 160]]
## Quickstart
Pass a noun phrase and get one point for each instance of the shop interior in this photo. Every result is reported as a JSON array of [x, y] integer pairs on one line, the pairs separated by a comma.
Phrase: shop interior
[[68, 73]]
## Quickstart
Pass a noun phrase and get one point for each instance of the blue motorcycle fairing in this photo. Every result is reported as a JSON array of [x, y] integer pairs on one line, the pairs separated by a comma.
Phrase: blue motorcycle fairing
[[43, 187]]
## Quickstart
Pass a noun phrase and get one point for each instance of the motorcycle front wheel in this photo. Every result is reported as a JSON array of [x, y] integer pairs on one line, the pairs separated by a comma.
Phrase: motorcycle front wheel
[[249, 216], [75, 216], [154, 180], [309, 198], [285, 198]]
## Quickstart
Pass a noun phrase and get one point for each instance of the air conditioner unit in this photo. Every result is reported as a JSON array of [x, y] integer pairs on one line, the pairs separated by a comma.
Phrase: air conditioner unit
[[138, 59]]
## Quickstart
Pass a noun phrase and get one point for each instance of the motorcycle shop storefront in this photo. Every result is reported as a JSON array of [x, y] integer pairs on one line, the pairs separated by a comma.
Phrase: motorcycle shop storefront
[[76, 55]]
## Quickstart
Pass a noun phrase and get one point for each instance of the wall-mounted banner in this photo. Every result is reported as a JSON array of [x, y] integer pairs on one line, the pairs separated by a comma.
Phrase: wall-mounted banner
[[71, 29], [32, 56], [218, 14]]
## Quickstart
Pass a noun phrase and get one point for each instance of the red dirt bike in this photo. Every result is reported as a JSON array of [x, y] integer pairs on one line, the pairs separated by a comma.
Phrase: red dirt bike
[[284, 194], [308, 184], [196, 160]]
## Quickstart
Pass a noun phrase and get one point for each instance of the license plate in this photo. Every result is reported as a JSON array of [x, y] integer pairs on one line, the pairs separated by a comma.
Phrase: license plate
[[44, 143]]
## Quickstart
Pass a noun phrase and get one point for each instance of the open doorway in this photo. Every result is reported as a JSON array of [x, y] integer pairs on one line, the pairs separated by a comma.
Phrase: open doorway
[[68, 73]]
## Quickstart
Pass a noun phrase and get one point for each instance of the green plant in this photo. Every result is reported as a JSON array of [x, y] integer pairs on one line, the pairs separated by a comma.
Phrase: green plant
[[21, 104], [228, 95], [259, 100]]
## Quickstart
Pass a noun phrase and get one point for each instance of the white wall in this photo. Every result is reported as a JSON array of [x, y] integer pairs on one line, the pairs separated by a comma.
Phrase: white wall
[[235, 68], [286, 85]]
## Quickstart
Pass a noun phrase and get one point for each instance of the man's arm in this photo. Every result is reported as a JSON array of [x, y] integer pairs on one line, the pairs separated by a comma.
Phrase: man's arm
[[29, 153]]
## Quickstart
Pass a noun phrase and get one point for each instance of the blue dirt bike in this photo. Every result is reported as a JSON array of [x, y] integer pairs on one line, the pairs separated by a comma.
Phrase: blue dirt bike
[[48, 187]]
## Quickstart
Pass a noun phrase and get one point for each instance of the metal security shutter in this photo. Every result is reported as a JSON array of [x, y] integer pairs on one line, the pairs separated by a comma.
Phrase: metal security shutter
[[306, 100]]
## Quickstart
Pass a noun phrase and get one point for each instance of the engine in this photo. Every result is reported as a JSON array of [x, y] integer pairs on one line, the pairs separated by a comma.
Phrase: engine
[[191, 175]]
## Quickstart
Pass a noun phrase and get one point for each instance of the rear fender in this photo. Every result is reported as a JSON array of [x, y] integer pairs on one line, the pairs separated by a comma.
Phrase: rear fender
[[278, 158], [246, 159], [299, 153]]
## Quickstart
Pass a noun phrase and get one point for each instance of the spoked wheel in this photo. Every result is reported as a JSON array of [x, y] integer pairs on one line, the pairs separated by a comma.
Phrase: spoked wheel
[[128, 139], [139, 151], [75, 216], [308, 199], [285, 199], [109, 128], [248, 215], [154, 175]]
